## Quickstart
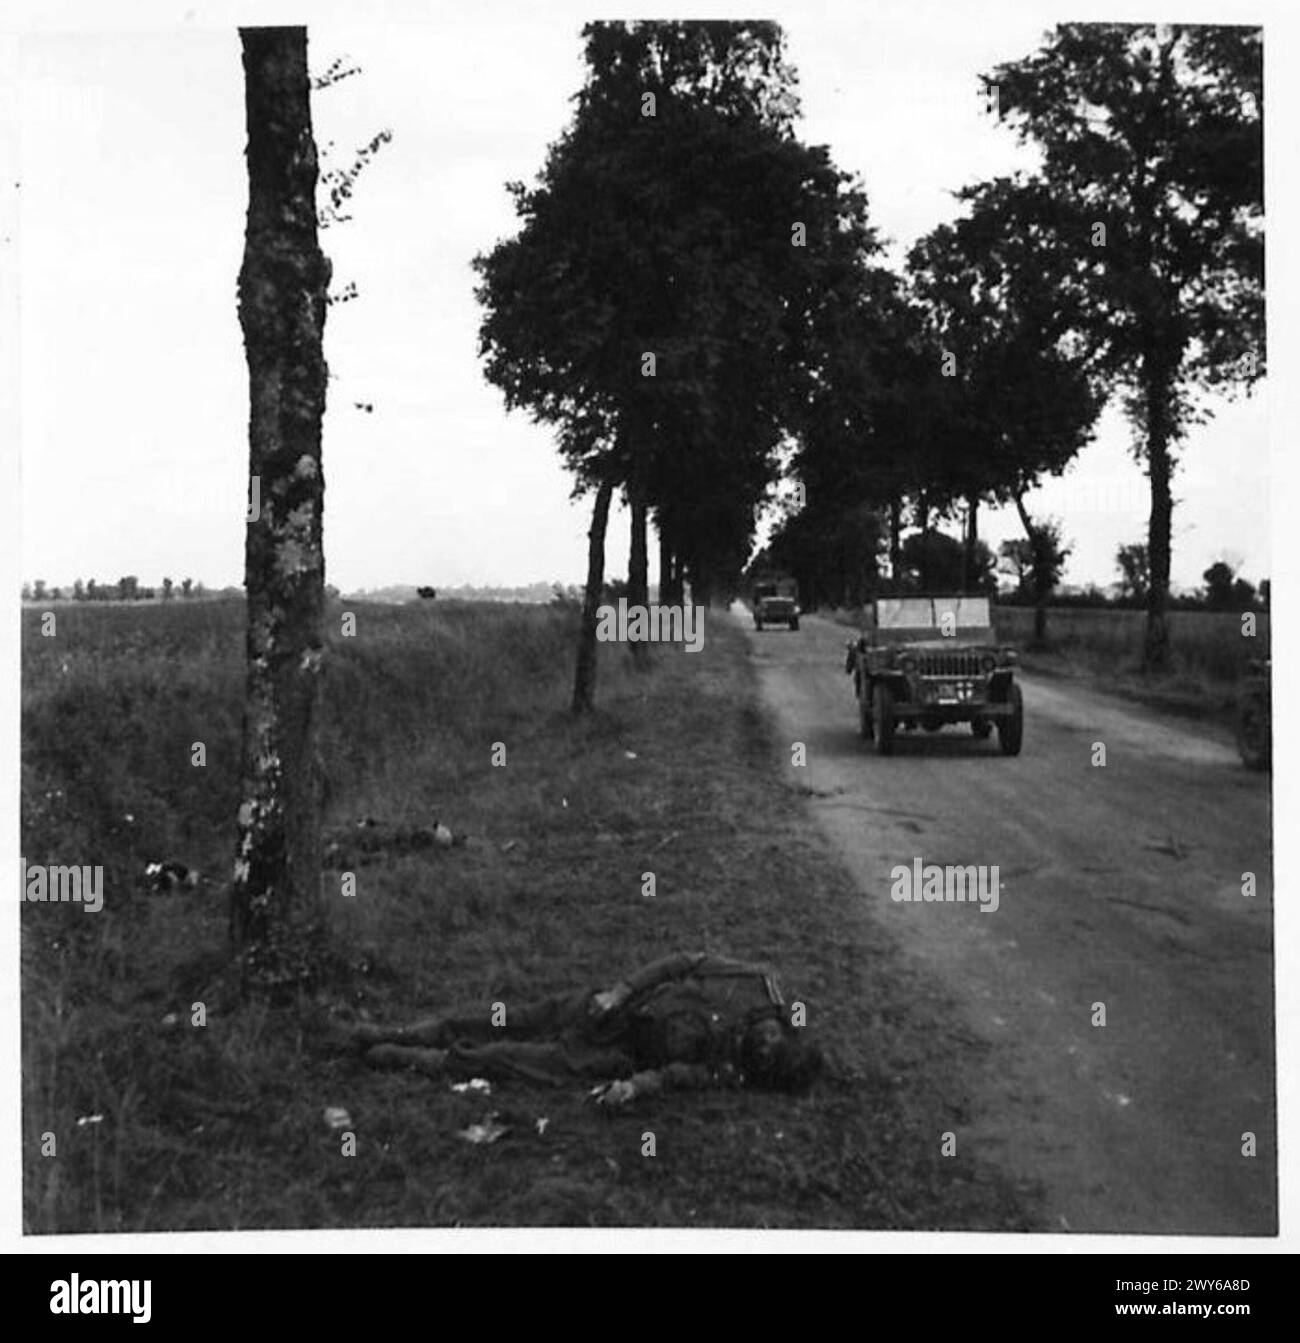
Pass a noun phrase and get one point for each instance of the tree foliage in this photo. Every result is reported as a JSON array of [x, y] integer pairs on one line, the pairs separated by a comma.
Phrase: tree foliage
[[1152, 175]]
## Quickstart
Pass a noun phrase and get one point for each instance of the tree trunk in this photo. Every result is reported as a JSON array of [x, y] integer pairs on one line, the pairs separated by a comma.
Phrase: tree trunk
[[1155, 653], [1040, 588], [584, 681], [665, 566], [638, 567], [972, 540], [670, 564], [282, 287], [895, 538]]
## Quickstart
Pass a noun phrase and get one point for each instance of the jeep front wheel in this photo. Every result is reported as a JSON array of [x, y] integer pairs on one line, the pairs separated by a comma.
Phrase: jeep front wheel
[[1011, 730], [882, 702], [982, 728]]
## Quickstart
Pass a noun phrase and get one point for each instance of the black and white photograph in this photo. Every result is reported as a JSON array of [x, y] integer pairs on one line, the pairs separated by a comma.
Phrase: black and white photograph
[[630, 623]]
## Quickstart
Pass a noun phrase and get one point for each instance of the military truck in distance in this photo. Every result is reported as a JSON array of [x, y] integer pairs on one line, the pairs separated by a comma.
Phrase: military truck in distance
[[776, 603], [927, 661]]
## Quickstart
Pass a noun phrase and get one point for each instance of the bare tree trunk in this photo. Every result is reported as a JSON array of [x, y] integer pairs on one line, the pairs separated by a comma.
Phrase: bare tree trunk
[[1040, 586], [282, 287], [671, 575], [896, 537], [1155, 652], [972, 540], [638, 566], [584, 681]]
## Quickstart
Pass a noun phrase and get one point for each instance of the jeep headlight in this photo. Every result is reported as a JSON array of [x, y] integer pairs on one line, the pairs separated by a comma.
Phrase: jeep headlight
[[907, 664], [987, 663]]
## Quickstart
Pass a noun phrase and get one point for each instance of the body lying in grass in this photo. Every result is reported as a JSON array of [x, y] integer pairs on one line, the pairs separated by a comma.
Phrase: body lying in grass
[[688, 1020]]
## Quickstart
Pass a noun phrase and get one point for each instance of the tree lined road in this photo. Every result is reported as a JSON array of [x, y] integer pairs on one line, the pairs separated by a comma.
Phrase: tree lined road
[[1120, 885]]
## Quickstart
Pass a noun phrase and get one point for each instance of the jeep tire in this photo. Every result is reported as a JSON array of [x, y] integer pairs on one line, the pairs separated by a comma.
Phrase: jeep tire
[[1011, 730]]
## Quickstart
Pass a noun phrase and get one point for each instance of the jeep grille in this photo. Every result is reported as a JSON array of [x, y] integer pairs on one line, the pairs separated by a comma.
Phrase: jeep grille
[[949, 664]]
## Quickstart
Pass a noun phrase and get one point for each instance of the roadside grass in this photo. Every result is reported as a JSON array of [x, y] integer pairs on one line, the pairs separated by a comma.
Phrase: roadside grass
[[1104, 647], [677, 773]]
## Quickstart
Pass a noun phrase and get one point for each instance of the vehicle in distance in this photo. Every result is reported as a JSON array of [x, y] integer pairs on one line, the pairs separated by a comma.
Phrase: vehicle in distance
[[776, 604], [1255, 715], [929, 661]]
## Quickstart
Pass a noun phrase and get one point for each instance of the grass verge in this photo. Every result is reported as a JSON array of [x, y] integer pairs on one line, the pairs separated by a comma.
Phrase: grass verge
[[221, 1125]]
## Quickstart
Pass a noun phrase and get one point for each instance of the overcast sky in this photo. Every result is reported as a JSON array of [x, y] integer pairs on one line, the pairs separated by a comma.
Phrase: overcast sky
[[133, 386]]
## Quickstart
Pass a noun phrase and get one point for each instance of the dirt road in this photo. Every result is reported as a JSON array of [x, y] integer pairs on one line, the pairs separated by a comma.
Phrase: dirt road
[[1118, 885]]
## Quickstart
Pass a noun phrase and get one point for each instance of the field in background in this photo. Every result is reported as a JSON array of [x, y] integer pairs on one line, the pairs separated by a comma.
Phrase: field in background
[[1210, 653], [163, 1125]]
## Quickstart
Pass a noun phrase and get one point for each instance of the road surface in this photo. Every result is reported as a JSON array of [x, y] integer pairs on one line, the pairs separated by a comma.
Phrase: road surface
[[1118, 885]]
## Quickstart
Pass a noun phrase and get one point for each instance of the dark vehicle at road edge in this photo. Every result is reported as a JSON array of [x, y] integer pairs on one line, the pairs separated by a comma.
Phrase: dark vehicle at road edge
[[1255, 715]]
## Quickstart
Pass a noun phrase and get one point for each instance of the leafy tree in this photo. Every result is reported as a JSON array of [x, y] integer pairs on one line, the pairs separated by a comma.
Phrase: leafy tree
[[656, 304], [38, 590], [1018, 399], [1135, 572], [935, 562], [1152, 146], [27, 592], [1218, 586], [167, 589], [1047, 554], [78, 591], [1224, 591], [187, 586], [864, 437], [93, 591], [283, 285], [831, 550]]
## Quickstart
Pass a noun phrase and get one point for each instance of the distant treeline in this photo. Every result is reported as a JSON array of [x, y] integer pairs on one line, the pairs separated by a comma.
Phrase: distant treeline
[[126, 589]]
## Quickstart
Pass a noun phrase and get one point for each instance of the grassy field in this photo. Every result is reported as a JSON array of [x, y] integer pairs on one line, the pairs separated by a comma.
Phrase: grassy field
[[221, 1125], [1105, 646]]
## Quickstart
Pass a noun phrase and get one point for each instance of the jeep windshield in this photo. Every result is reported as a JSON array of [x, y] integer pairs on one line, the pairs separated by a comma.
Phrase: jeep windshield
[[902, 618]]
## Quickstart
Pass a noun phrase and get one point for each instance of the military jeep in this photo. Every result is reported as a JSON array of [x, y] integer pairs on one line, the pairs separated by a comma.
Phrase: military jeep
[[928, 661]]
